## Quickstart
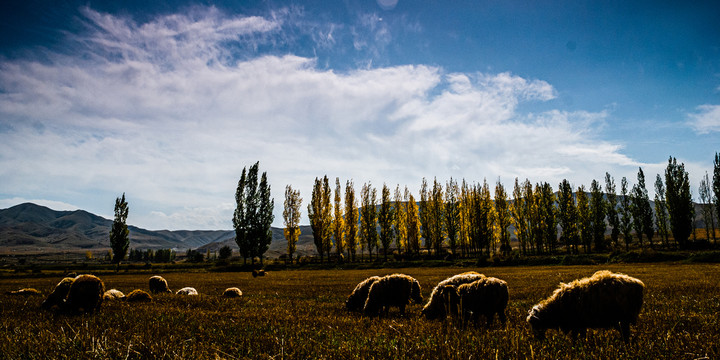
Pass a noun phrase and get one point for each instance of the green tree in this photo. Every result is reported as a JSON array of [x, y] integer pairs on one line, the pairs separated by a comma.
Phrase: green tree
[[368, 219], [425, 213], [611, 211], [291, 217], [400, 208], [584, 225], [625, 212], [385, 219], [465, 211], [642, 211], [531, 214], [224, 253], [253, 214], [568, 216], [242, 227], [338, 221], [262, 226], [413, 226], [518, 210], [661, 214], [716, 185], [486, 217], [351, 219], [547, 215], [502, 218], [708, 209], [437, 210], [119, 233], [598, 207], [452, 214], [679, 202]]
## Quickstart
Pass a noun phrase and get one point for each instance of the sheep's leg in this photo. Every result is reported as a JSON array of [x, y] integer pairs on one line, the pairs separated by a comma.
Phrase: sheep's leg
[[625, 331], [503, 318], [402, 309]]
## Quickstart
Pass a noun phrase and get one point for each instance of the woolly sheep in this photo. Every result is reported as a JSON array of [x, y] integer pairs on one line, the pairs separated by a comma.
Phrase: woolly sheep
[[256, 273], [158, 284], [436, 305], [113, 294], [392, 290], [187, 291], [85, 294], [58, 295], [232, 292], [487, 296], [24, 292], [138, 296], [604, 300], [356, 300]]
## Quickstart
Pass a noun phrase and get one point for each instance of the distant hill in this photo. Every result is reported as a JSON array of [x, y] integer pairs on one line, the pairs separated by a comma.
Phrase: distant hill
[[31, 228]]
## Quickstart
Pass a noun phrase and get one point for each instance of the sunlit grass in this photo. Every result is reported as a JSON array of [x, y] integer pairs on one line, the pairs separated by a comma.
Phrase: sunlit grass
[[300, 314]]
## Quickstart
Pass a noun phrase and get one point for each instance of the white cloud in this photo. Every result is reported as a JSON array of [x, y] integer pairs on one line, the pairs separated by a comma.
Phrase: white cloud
[[706, 120], [165, 112]]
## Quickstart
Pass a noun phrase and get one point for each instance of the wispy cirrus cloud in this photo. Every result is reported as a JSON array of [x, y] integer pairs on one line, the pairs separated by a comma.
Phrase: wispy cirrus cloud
[[170, 111], [706, 119]]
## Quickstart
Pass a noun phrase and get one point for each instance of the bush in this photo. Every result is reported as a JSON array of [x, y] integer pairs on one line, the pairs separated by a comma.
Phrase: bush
[[224, 253]]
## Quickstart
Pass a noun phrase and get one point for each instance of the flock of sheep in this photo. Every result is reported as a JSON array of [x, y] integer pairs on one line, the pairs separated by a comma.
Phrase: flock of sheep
[[604, 300]]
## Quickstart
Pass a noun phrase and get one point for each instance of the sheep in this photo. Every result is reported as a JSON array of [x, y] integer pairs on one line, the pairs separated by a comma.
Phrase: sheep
[[85, 294], [113, 294], [158, 284], [232, 292], [24, 292], [138, 296], [604, 300], [356, 300], [392, 290], [187, 291], [256, 273], [56, 299], [487, 296], [436, 307]]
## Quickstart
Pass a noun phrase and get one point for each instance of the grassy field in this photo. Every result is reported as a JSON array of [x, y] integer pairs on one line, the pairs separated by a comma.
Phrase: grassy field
[[300, 315]]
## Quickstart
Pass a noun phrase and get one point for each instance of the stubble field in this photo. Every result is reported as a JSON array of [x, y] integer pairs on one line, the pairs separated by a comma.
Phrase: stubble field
[[300, 315]]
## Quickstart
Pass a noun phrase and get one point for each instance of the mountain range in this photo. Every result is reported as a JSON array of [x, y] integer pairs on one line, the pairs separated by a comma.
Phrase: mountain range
[[30, 228]]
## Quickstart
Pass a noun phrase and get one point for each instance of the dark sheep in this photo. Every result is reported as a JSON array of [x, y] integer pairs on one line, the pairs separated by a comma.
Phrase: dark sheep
[[605, 300], [392, 290], [256, 273], [113, 294], [436, 307], [356, 300], [138, 296], [487, 296], [158, 284], [232, 292], [24, 292], [56, 299], [85, 294]]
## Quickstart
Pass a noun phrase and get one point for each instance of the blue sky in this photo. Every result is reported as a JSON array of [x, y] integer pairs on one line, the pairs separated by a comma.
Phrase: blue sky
[[168, 102]]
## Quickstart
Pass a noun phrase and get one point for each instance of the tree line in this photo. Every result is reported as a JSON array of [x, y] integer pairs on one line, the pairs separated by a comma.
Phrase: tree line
[[471, 219]]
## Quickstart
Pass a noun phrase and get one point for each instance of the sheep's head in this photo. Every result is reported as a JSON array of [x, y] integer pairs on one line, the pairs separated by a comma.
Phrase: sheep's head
[[415, 292], [57, 297], [451, 299], [536, 322]]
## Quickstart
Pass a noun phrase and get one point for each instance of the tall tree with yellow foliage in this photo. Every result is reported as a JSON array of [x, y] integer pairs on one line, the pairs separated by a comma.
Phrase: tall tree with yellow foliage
[[338, 221], [291, 217]]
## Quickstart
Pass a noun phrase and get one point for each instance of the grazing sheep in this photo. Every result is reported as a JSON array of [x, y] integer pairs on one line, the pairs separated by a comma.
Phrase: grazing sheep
[[356, 300], [232, 292], [487, 296], [24, 292], [392, 290], [436, 307], [138, 296], [85, 294], [58, 295], [604, 300], [256, 273], [158, 284], [190, 291], [113, 294]]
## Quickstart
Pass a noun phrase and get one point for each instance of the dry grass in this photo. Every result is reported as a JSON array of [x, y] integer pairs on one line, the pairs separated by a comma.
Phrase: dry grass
[[299, 315]]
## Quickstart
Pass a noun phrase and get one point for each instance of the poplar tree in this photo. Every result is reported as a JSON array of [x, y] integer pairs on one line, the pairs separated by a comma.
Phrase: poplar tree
[[327, 217], [708, 210], [547, 214], [598, 208], [425, 213], [626, 222], [253, 214], [338, 220], [437, 210], [518, 209], [319, 211], [465, 211], [291, 218], [400, 226], [351, 219], [716, 185], [583, 218], [262, 227], [413, 226], [679, 202], [530, 214], [502, 218], [611, 211], [119, 233], [642, 212], [368, 221], [385, 219], [661, 214], [452, 214], [568, 216]]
